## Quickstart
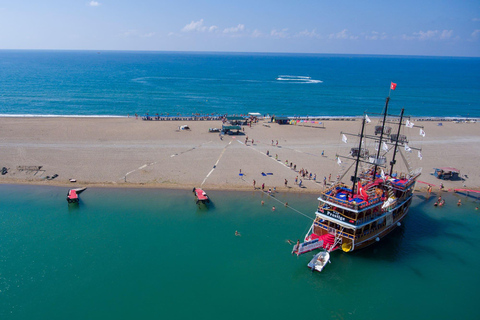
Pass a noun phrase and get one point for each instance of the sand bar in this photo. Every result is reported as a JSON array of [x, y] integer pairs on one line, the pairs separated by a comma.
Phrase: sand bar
[[129, 152]]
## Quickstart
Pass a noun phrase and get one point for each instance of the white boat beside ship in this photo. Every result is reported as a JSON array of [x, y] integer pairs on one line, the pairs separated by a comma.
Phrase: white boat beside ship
[[319, 261]]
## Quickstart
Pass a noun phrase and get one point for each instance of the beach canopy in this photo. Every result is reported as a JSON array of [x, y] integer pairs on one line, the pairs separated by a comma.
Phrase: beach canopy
[[231, 128], [255, 114], [235, 118]]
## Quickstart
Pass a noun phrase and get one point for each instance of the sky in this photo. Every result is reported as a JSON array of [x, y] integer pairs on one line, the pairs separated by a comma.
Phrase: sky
[[402, 27]]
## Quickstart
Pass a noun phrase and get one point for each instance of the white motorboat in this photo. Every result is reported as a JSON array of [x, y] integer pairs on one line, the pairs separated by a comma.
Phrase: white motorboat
[[319, 261]]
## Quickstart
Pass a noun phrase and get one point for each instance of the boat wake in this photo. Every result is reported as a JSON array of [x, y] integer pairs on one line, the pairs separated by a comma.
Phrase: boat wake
[[297, 79]]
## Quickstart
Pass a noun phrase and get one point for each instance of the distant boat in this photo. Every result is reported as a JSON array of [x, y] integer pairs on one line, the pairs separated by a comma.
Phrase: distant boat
[[200, 196], [319, 261], [72, 195]]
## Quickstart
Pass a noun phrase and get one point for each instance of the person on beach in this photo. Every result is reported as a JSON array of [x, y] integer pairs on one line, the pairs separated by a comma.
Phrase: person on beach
[[268, 153], [300, 183], [315, 177], [272, 142], [286, 182], [274, 189], [294, 167], [330, 177], [253, 141], [441, 186], [286, 204], [263, 186], [254, 182], [276, 157], [296, 179], [277, 143], [323, 153], [324, 181], [269, 190]]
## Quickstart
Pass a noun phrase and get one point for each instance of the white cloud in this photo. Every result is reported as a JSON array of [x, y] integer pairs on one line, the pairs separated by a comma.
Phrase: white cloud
[[308, 34], [94, 3], [342, 35], [279, 33], [236, 29], [374, 35], [429, 35], [256, 33], [198, 26], [476, 34]]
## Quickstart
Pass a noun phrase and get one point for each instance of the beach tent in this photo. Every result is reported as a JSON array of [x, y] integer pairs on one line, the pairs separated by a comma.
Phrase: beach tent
[[236, 120], [282, 120], [229, 129]]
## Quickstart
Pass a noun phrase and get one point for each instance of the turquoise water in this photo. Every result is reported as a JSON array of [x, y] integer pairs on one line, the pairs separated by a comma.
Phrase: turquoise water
[[117, 83], [143, 254]]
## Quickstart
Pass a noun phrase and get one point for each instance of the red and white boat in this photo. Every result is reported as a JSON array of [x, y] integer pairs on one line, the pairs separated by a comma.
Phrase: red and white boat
[[72, 195], [200, 196]]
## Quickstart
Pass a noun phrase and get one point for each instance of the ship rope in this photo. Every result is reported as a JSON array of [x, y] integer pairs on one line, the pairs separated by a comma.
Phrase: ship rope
[[285, 204]]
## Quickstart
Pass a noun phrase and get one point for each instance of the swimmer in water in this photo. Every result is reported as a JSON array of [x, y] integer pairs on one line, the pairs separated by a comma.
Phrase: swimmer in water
[[273, 208], [237, 234]]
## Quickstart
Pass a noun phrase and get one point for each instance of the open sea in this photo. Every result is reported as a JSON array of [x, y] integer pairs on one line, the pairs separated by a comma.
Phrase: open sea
[[154, 254], [120, 83]]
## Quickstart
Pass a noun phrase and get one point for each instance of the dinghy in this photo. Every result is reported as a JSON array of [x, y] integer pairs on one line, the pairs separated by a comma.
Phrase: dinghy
[[319, 261]]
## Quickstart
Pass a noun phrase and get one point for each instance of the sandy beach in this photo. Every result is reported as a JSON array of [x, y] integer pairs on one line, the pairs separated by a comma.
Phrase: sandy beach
[[129, 152]]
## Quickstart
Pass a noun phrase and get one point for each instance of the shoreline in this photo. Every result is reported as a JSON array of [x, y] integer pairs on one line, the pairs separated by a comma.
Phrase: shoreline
[[216, 116], [129, 152]]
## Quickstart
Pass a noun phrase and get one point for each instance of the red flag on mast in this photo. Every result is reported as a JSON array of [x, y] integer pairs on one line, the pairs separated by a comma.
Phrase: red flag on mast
[[393, 86]]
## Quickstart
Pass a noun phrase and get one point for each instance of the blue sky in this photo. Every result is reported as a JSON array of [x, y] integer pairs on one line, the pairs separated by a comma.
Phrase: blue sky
[[402, 27]]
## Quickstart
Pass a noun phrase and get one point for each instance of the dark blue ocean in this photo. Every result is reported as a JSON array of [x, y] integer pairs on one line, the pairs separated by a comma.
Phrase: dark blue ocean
[[116, 83]]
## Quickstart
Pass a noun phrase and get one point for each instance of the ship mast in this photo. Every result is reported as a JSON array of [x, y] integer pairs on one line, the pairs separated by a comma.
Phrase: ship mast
[[392, 163], [354, 177], [381, 137]]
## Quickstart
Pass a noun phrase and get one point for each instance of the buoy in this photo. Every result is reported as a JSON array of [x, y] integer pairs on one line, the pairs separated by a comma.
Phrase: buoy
[[377, 239], [398, 224]]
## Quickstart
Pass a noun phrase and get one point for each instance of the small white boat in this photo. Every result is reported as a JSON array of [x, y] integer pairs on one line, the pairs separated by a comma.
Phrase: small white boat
[[319, 261]]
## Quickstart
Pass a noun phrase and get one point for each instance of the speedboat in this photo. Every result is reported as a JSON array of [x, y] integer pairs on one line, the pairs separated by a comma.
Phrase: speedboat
[[319, 261], [72, 195], [200, 196]]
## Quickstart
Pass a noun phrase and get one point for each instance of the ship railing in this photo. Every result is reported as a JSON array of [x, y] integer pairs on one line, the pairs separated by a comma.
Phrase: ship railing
[[333, 231], [348, 204]]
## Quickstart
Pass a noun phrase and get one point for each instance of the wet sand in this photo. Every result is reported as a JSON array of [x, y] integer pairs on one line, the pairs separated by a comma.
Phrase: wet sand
[[128, 152]]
